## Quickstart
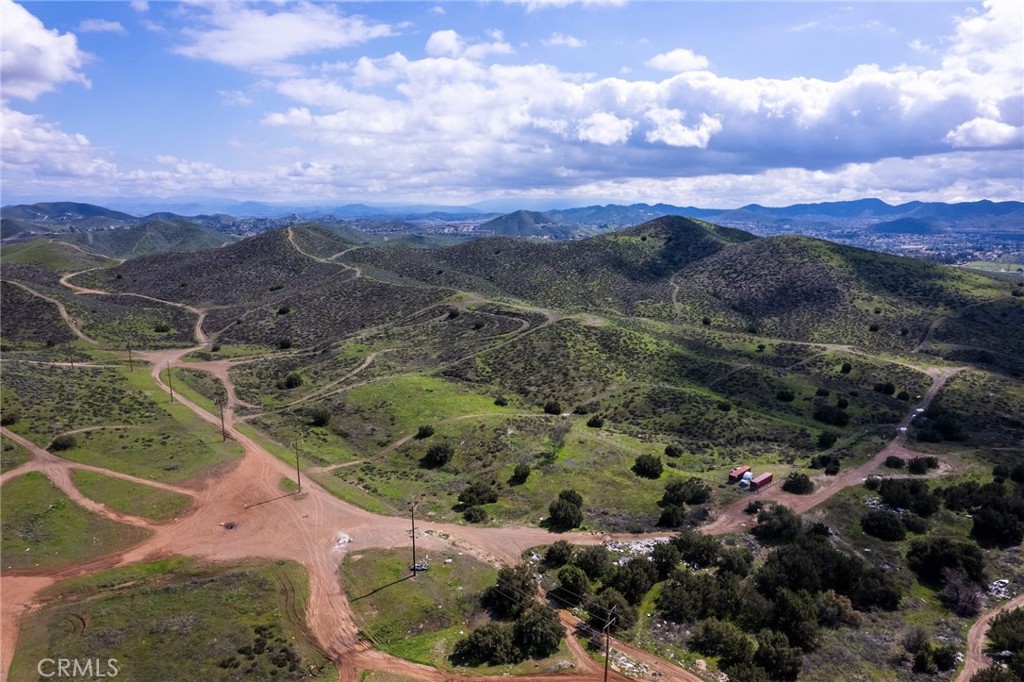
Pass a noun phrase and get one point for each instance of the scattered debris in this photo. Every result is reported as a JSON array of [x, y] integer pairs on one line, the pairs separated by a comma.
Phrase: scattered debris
[[633, 548], [999, 589], [228, 525]]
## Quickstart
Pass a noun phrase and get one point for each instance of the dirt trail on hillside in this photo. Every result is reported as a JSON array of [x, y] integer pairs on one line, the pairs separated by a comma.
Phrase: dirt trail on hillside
[[200, 313], [976, 658], [65, 315], [354, 268]]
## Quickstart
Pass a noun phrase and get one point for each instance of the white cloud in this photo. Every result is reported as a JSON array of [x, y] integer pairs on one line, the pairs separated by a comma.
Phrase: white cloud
[[449, 43], [563, 40], [234, 98], [669, 129], [140, 6], [437, 9], [445, 44], [606, 129], [984, 132], [36, 146], [452, 119], [35, 60], [919, 46], [261, 39], [100, 26], [678, 61]]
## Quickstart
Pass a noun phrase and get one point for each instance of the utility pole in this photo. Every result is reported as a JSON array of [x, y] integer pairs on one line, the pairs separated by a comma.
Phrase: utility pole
[[412, 513], [298, 474], [608, 641], [71, 356], [170, 382], [131, 367], [223, 431]]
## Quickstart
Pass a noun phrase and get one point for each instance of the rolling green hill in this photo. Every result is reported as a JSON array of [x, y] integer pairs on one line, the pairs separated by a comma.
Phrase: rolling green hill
[[154, 236], [53, 255]]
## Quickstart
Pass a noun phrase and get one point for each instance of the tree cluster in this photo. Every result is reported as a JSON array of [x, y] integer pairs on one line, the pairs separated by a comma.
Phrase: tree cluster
[[567, 511], [998, 510], [525, 628], [903, 493]]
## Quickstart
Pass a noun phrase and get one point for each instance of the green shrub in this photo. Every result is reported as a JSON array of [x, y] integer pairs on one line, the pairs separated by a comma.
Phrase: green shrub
[[64, 442], [438, 455], [798, 484], [475, 514], [648, 466]]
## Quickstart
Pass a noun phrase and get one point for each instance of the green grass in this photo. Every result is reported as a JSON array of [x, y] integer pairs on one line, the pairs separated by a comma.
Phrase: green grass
[[165, 452], [43, 529], [131, 498], [420, 620], [51, 400], [404, 403], [404, 617], [12, 455], [175, 620], [52, 256], [202, 388], [175, 445], [227, 351]]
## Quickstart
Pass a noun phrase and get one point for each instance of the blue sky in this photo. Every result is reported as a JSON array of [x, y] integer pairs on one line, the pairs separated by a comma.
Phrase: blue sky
[[710, 104]]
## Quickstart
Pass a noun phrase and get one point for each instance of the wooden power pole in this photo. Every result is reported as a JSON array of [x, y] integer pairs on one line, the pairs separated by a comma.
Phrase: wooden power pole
[[412, 514], [170, 382], [131, 367], [608, 641], [298, 473]]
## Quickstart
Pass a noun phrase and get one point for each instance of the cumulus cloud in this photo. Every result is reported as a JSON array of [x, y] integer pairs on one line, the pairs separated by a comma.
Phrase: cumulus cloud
[[669, 128], [35, 59], [984, 132], [678, 60], [140, 6], [604, 128], [260, 38], [100, 26], [35, 145], [449, 43], [563, 40]]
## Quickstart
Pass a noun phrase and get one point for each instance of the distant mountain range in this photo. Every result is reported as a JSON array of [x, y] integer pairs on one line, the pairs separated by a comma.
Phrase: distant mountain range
[[870, 216]]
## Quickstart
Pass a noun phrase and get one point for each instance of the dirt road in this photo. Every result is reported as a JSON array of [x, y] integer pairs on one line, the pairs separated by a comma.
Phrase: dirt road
[[976, 658], [733, 518]]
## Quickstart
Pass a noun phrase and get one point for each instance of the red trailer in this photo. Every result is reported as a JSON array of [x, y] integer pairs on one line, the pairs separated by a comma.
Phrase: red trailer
[[737, 474], [762, 481]]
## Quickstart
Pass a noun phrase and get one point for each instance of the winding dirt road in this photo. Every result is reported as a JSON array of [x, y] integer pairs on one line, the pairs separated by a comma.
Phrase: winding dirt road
[[976, 658]]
